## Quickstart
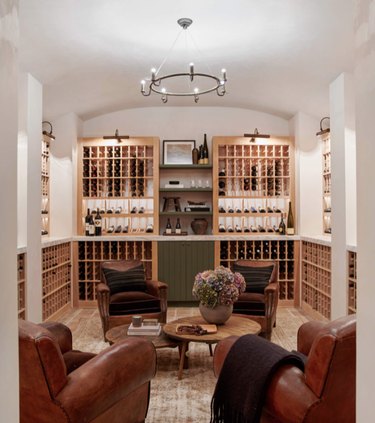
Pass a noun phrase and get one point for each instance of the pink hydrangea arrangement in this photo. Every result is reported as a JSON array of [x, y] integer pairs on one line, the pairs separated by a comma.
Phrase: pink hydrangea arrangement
[[219, 286]]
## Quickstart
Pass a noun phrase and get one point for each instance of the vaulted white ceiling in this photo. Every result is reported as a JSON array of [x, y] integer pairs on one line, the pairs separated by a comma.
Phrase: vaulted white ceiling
[[280, 55]]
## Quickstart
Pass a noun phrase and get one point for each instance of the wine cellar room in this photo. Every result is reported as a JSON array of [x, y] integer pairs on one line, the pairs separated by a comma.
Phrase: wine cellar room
[[284, 182]]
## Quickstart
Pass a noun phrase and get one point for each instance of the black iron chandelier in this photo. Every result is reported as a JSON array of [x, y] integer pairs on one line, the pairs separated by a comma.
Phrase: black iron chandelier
[[156, 83]]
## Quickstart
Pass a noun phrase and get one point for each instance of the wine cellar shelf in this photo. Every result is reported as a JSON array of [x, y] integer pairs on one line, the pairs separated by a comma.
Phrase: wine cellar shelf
[[91, 253], [21, 280], [45, 207], [326, 152], [284, 252], [190, 199], [56, 278], [316, 279], [121, 181], [352, 282], [252, 183]]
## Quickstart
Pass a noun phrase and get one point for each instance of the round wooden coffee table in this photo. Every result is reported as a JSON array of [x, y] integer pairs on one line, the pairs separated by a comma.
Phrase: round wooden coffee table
[[118, 333], [238, 326]]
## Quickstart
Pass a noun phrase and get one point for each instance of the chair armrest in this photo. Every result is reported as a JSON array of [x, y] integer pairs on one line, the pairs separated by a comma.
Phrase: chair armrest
[[306, 335], [221, 351], [107, 378], [288, 398], [271, 293], [61, 333], [157, 288]]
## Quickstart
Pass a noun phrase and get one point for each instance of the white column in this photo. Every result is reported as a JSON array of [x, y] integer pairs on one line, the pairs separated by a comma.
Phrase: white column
[[342, 128], [9, 386], [309, 188], [63, 168], [365, 130], [30, 125]]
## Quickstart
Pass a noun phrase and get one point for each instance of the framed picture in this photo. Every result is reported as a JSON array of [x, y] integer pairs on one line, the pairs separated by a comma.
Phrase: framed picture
[[178, 152]]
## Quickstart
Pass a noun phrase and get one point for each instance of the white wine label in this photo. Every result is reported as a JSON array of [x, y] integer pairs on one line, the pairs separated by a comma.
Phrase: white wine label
[[168, 231], [98, 223], [178, 231], [91, 230], [290, 231]]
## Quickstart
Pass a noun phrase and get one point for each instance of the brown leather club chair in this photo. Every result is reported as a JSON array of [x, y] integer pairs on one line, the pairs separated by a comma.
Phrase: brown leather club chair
[[325, 392], [259, 301], [124, 291], [63, 386]]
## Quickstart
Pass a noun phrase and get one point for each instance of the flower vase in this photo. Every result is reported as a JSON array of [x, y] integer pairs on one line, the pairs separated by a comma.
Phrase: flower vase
[[217, 315]]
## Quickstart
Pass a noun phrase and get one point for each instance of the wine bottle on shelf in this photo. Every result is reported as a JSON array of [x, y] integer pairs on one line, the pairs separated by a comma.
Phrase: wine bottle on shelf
[[221, 228], [290, 221], [141, 210], [178, 226], [246, 229], [168, 228], [238, 228], [111, 229], [91, 226], [253, 209], [205, 150], [133, 210], [150, 228], [230, 209], [125, 229], [261, 228], [87, 223], [200, 155], [222, 172], [118, 229], [230, 228], [253, 228], [221, 209], [118, 210], [195, 155], [282, 228], [98, 223]]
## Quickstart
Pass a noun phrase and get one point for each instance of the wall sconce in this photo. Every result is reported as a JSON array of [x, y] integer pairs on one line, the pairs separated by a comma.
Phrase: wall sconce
[[256, 134], [324, 126], [49, 134], [117, 137]]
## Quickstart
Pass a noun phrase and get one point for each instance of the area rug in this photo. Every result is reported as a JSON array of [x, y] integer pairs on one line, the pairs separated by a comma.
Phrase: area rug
[[172, 400]]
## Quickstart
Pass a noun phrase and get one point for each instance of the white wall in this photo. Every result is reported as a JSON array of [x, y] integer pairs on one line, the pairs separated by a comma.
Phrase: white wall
[[63, 165], [342, 124], [309, 188], [174, 123], [30, 123], [8, 194], [365, 130]]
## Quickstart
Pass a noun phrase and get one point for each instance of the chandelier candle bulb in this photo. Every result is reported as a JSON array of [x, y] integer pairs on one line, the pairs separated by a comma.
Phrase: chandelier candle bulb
[[153, 74], [143, 86], [224, 73], [191, 71]]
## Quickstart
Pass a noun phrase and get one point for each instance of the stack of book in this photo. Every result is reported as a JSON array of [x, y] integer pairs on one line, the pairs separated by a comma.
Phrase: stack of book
[[149, 327]]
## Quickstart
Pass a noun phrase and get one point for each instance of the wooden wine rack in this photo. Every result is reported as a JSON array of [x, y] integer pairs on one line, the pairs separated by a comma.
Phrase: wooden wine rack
[[316, 279], [326, 152], [121, 180], [21, 280], [284, 252], [56, 278], [91, 253], [45, 185], [257, 185], [352, 282]]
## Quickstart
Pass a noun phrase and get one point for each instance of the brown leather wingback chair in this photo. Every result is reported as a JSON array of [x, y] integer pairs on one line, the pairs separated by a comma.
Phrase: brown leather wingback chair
[[325, 392], [117, 308], [112, 386], [259, 305]]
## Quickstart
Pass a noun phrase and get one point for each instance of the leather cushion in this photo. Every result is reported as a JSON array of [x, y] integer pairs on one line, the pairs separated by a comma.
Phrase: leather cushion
[[251, 304], [133, 303], [132, 279], [256, 278]]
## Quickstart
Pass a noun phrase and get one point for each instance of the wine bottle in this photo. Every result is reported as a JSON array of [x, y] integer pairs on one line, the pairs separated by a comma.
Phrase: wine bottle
[[282, 229], [125, 229], [87, 223], [222, 172], [118, 210], [178, 227], [133, 210], [98, 223], [200, 155], [141, 210], [118, 229], [205, 150], [238, 228], [221, 228], [221, 209], [111, 229], [91, 226], [168, 228], [230, 209], [195, 155], [230, 228], [150, 228], [290, 221]]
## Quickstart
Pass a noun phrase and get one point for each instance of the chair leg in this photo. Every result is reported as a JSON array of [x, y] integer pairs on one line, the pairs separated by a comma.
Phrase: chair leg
[[210, 347]]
